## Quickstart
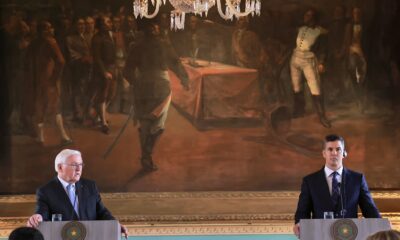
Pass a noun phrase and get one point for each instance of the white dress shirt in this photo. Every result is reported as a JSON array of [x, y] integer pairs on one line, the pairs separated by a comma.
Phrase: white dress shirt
[[328, 176], [65, 184]]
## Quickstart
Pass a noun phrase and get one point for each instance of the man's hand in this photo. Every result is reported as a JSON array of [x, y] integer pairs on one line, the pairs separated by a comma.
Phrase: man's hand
[[87, 59], [296, 230], [125, 84], [108, 76], [34, 220], [124, 231], [321, 68]]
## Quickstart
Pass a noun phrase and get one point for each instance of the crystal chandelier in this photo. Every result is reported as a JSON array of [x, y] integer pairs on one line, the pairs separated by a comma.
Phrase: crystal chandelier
[[197, 7]]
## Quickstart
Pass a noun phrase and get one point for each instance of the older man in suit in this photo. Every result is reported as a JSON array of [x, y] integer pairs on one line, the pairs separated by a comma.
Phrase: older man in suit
[[69, 194], [334, 188]]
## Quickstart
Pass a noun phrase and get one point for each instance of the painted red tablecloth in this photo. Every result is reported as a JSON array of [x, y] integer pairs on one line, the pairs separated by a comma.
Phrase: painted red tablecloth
[[217, 92]]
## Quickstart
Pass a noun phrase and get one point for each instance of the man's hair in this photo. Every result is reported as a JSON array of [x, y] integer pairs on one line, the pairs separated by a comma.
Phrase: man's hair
[[76, 20], [42, 26], [343, 7], [88, 17], [99, 23], [147, 25], [385, 235], [26, 233], [64, 155], [333, 138], [315, 12]]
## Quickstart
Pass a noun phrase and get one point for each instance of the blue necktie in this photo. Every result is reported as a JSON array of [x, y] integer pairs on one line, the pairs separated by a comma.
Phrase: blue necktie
[[335, 189], [72, 197]]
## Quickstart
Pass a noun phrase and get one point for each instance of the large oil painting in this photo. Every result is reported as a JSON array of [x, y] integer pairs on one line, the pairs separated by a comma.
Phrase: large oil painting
[[240, 108]]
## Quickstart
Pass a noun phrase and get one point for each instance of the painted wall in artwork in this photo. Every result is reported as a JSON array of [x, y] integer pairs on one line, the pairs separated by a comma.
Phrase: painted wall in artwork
[[236, 126]]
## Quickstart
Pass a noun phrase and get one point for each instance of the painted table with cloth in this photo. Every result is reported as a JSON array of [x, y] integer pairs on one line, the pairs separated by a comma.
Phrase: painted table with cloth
[[219, 94]]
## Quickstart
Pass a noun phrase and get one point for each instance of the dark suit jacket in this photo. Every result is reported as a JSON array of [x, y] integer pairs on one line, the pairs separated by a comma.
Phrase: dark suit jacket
[[80, 53], [103, 52], [78, 47], [315, 198], [52, 198]]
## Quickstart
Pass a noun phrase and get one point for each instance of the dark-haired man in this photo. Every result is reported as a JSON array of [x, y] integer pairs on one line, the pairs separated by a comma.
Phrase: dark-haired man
[[104, 60], [81, 61], [25, 233], [334, 188]]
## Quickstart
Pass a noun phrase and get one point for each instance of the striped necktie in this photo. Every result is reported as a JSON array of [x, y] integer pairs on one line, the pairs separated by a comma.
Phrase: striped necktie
[[72, 197], [335, 189]]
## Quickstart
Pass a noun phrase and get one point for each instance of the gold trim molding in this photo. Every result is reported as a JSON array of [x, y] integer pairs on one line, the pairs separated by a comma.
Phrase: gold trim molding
[[196, 213], [231, 195], [130, 195], [211, 229]]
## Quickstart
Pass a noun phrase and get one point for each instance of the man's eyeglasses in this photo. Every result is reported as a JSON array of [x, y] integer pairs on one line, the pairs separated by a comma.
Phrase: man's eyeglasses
[[75, 165]]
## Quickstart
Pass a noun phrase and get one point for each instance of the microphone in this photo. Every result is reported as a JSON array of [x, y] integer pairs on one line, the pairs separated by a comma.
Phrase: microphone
[[76, 202], [343, 208]]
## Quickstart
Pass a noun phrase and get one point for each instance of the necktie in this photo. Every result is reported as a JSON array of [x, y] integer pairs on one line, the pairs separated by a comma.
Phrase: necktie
[[335, 189], [72, 197]]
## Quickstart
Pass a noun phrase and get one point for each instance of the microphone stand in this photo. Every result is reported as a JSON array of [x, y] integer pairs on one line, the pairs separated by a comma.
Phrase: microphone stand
[[342, 186]]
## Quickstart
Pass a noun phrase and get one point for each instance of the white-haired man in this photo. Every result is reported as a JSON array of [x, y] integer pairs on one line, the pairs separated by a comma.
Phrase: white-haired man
[[68, 194]]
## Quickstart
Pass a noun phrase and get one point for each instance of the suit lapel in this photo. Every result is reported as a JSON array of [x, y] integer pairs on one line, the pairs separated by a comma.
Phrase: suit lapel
[[81, 199], [326, 195], [60, 191]]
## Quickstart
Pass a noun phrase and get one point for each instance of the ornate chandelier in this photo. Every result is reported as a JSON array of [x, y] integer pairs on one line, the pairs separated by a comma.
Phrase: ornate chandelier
[[198, 7]]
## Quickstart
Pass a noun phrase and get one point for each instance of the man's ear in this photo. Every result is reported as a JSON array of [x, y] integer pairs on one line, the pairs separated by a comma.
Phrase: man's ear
[[344, 153]]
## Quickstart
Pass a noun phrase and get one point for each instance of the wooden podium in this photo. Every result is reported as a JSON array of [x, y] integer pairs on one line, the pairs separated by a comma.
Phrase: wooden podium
[[93, 230], [327, 229]]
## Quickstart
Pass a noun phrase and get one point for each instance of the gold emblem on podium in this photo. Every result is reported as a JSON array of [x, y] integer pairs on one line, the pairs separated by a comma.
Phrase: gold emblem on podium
[[73, 231], [344, 229]]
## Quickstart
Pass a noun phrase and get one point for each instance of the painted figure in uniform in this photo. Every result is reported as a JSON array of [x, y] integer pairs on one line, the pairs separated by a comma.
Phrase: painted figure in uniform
[[308, 58], [152, 58]]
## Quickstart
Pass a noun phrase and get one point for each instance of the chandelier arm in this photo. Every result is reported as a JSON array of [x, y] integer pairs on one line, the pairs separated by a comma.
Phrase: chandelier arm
[[221, 13], [237, 13], [158, 3]]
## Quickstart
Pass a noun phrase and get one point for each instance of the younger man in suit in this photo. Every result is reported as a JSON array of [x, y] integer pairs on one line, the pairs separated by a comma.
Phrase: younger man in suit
[[69, 195], [334, 188]]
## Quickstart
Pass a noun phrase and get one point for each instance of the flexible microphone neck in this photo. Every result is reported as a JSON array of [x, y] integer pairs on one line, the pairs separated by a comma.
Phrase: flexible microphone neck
[[342, 195]]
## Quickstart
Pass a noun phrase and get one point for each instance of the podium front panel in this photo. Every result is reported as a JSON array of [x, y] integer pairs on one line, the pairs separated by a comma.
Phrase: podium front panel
[[320, 229], [95, 230]]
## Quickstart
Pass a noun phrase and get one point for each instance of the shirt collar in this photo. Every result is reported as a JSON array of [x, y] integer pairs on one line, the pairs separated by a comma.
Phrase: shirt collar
[[64, 183], [329, 171]]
